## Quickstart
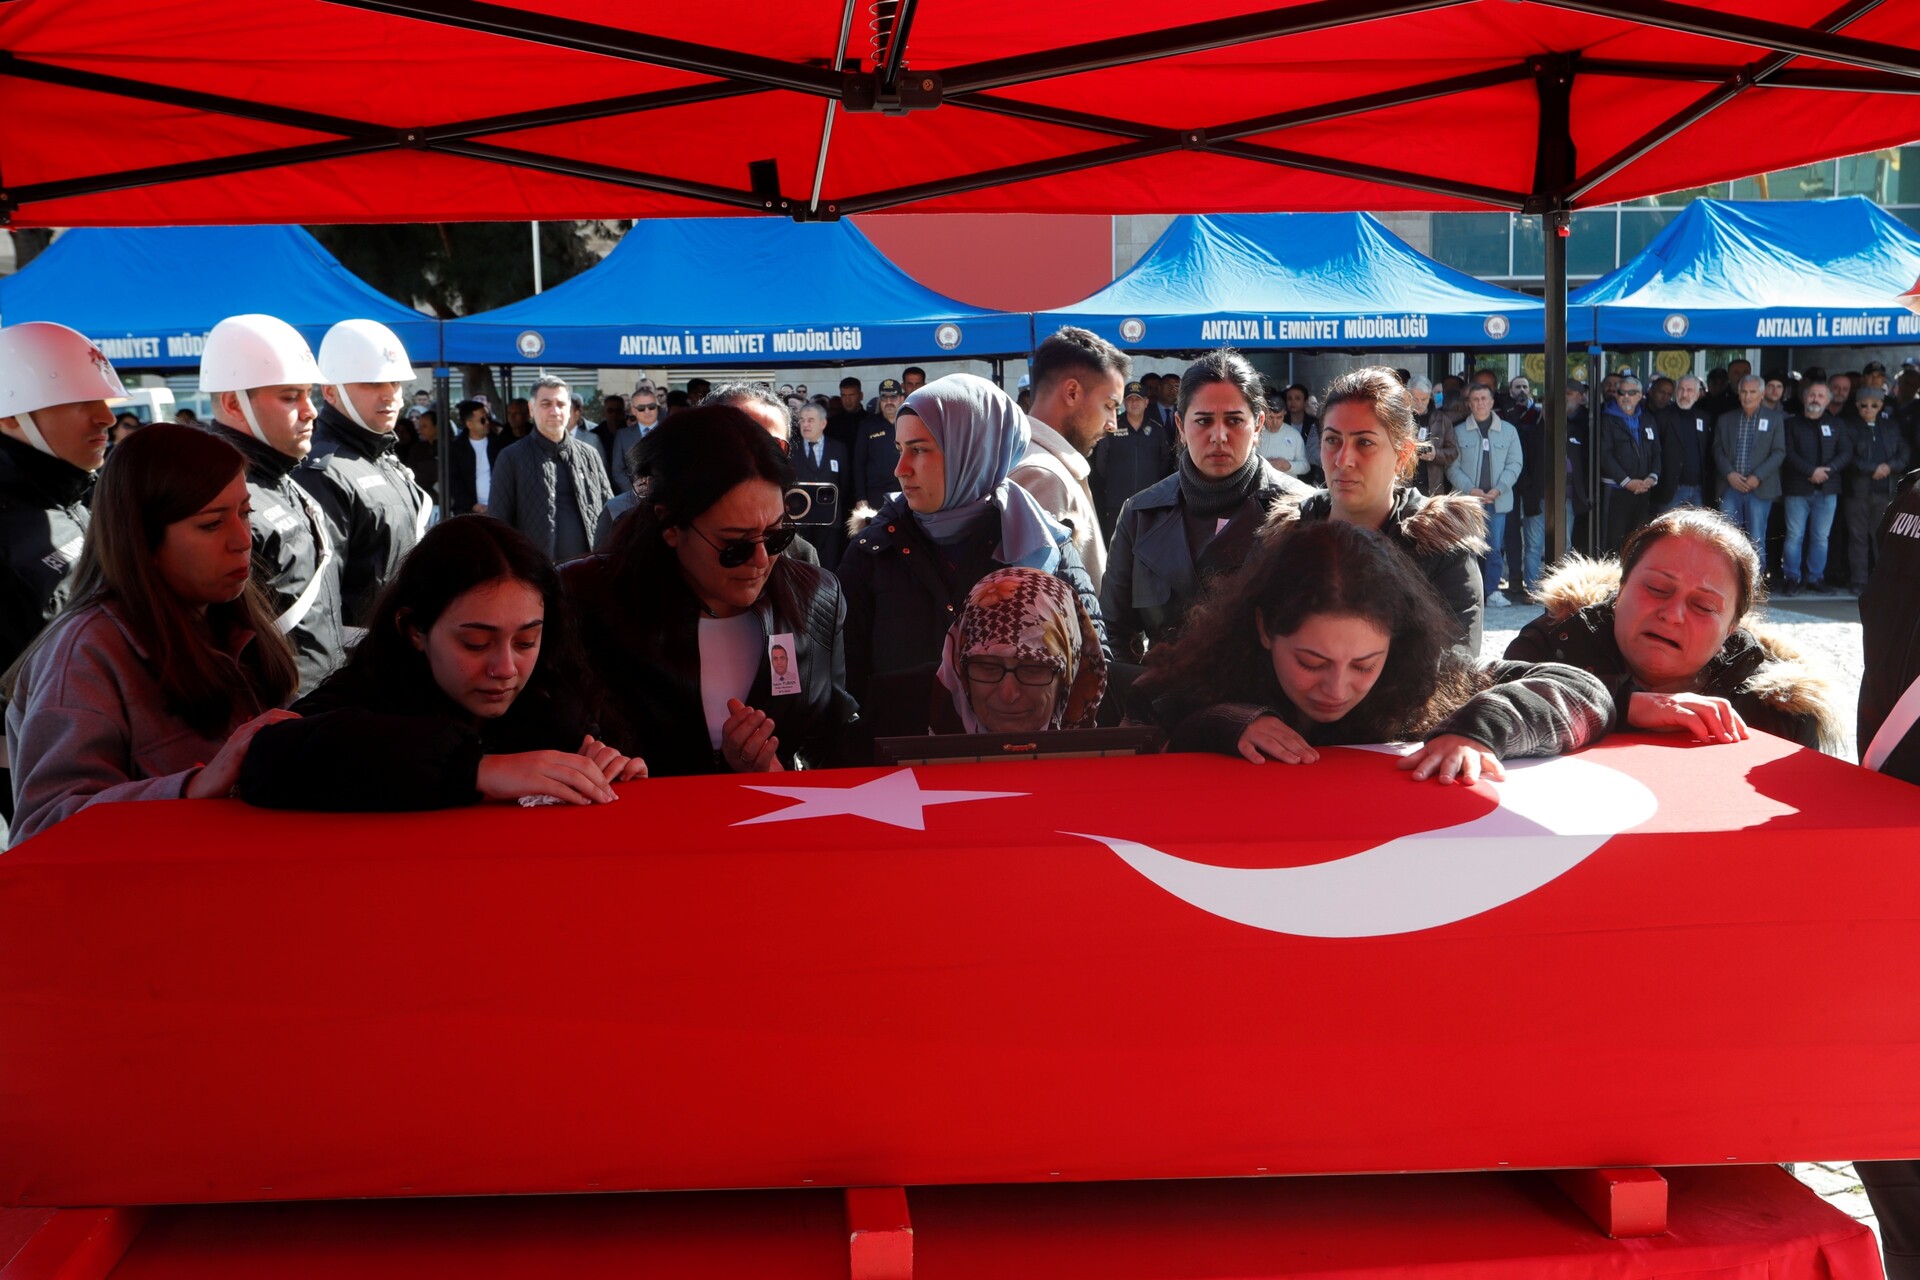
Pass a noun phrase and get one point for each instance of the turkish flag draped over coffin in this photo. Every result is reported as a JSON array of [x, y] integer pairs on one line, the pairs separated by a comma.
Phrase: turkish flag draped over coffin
[[926, 976]]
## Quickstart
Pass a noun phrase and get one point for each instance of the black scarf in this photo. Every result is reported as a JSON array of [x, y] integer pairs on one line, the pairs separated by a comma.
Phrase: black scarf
[[1206, 496]]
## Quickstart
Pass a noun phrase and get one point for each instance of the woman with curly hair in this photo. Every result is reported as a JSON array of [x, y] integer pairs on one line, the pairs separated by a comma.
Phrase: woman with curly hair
[[1333, 636]]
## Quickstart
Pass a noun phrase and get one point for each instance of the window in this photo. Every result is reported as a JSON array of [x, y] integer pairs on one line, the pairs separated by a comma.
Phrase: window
[[1475, 243]]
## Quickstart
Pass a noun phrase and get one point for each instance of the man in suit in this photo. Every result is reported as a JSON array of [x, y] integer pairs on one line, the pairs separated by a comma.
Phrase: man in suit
[[645, 415], [819, 460], [1749, 448], [474, 451]]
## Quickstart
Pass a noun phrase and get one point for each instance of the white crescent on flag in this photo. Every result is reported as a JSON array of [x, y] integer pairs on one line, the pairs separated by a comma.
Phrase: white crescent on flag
[[1552, 815]]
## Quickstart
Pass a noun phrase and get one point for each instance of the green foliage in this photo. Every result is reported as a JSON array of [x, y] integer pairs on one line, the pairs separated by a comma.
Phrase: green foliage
[[459, 268]]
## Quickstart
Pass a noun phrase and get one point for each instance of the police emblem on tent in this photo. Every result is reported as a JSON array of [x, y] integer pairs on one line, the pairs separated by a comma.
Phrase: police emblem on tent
[[1132, 329], [948, 336], [530, 344], [1497, 327], [1675, 325]]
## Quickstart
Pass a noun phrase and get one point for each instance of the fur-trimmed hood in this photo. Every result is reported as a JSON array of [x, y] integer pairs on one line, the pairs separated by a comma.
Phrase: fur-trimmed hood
[[1427, 524], [1784, 676]]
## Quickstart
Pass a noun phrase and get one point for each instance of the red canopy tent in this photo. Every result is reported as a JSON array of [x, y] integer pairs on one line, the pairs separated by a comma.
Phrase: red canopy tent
[[439, 110]]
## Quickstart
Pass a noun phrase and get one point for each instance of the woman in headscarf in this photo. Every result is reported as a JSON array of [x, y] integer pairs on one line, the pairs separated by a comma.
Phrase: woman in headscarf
[[956, 519], [1023, 658]]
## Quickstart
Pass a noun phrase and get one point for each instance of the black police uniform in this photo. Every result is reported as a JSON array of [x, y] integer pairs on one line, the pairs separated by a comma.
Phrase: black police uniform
[[376, 510]]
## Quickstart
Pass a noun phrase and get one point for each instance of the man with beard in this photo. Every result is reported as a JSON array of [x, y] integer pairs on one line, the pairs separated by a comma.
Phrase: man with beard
[[1686, 447], [1078, 378], [376, 510]]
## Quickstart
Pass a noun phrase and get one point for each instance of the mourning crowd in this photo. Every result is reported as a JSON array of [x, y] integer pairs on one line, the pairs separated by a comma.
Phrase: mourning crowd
[[277, 605]]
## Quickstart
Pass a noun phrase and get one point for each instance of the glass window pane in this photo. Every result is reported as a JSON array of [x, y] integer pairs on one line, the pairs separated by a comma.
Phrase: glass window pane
[[1806, 182], [1472, 242], [1868, 175], [1687, 195], [1529, 250], [1638, 227], [1904, 181], [1590, 248]]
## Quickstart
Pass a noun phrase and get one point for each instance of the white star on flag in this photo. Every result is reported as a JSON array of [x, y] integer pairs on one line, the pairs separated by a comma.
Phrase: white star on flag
[[895, 799]]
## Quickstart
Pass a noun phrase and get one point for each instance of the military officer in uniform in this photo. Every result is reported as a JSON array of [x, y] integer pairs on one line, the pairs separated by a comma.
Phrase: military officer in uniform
[[54, 420], [260, 373], [376, 510]]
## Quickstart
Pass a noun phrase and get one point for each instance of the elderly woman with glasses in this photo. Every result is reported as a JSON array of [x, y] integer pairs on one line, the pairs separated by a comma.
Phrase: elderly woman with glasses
[[719, 652], [1022, 658]]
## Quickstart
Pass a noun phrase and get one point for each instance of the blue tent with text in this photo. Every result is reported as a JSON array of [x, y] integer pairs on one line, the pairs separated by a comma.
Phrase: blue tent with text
[[755, 292], [1727, 273], [148, 295], [1333, 281]]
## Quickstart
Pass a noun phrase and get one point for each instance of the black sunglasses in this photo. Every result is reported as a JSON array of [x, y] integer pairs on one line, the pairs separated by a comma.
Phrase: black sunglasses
[[737, 552], [646, 408]]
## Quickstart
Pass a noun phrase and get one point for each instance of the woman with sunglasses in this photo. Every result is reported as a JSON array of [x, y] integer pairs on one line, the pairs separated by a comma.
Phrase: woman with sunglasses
[[956, 519], [719, 652]]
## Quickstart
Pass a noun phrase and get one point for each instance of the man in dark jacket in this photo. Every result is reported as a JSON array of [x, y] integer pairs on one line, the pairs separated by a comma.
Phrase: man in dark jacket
[[874, 454], [551, 485], [51, 443], [1686, 448], [1138, 455], [475, 451], [818, 460], [1629, 463], [376, 510], [1819, 448], [849, 411], [1880, 457]]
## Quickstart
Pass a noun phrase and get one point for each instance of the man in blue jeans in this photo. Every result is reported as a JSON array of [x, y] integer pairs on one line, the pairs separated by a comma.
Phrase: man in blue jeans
[[1749, 448], [1819, 448]]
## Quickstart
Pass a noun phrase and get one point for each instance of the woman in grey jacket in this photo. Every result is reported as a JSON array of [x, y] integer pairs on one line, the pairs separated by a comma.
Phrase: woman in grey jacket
[[152, 683]]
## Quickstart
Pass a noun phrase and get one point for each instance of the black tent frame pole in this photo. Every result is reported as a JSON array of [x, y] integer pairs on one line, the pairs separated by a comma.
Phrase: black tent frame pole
[[1554, 168]]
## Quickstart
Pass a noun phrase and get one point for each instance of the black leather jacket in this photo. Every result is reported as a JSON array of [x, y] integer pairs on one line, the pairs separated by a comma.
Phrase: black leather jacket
[[43, 524], [643, 642]]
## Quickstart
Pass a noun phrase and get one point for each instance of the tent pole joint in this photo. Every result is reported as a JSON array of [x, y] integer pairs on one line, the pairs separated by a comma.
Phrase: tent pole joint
[[911, 91]]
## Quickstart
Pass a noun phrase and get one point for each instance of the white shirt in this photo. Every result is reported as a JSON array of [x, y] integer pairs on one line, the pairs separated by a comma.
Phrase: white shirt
[[1286, 443], [482, 471], [730, 652]]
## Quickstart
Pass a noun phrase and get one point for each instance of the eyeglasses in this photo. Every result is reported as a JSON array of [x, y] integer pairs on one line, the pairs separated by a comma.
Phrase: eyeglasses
[[991, 671], [737, 552], [646, 408]]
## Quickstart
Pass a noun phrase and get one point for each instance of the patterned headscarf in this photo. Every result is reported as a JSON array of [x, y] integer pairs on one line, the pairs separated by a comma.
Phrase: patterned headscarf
[[1024, 615], [982, 436]]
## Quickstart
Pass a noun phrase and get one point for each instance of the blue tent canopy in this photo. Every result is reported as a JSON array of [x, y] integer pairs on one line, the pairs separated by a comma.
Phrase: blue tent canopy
[[753, 291], [149, 295], [1300, 280], [1809, 273]]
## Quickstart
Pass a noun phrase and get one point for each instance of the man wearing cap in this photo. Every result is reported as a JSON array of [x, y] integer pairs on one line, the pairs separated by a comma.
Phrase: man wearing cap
[[376, 510], [874, 456], [1078, 378], [1138, 455], [1880, 457], [259, 372], [1875, 376], [54, 424]]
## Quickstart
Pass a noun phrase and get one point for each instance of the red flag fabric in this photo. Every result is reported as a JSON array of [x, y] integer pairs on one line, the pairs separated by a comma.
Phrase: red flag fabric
[[445, 110], [1154, 967]]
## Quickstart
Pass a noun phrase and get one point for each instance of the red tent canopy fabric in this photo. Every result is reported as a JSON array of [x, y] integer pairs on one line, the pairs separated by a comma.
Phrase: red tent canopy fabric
[[172, 111]]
